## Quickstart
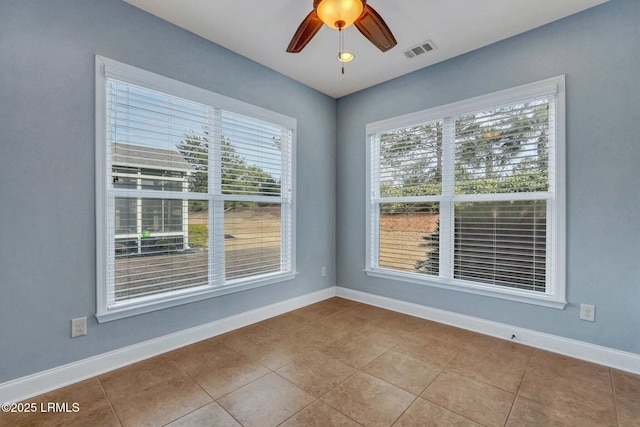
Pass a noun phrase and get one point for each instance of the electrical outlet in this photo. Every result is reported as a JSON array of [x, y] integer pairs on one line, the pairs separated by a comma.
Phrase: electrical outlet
[[78, 327], [323, 271], [588, 312]]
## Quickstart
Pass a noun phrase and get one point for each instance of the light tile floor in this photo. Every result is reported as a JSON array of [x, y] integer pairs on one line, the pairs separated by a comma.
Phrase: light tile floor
[[342, 363]]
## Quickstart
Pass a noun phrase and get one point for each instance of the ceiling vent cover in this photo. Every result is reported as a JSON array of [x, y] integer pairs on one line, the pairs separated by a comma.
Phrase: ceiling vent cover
[[423, 47]]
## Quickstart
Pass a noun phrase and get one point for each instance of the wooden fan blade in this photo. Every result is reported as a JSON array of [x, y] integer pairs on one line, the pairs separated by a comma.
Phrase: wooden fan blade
[[305, 32], [373, 27]]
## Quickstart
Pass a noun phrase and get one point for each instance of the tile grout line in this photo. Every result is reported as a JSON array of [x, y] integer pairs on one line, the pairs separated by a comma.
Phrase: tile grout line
[[316, 399], [516, 394], [615, 399], [109, 400], [196, 383], [444, 407], [405, 410], [213, 399], [357, 370], [419, 396], [444, 370], [230, 414], [280, 376]]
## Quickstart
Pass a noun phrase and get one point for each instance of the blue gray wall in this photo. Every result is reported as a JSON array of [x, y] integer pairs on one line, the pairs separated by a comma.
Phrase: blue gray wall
[[47, 226], [598, 52], [47, 190]]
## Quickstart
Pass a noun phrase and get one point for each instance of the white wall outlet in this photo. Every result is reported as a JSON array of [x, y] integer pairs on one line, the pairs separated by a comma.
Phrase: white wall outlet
[[323, 271], [78, 327], [588, 312]]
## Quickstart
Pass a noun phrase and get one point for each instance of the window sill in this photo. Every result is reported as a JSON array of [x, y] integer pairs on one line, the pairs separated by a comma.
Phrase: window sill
[[193, 295], [478, 289]]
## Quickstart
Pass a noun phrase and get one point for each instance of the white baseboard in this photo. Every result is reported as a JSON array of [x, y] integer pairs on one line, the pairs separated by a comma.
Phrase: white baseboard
[[42, 382], [617, 359]]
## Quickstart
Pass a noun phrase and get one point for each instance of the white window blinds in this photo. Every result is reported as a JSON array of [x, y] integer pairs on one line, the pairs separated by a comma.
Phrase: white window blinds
[[470, 199], [504, 149], [196, 197]]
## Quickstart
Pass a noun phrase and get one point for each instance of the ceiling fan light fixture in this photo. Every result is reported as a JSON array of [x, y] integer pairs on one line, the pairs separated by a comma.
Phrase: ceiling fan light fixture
[[339, 14], [346, 56]]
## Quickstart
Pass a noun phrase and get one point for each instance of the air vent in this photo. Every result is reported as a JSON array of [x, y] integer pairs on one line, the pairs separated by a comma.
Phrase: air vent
[[420, 49]]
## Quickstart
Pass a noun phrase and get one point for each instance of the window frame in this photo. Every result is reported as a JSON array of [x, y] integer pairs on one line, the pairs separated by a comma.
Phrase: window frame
[[107, 68], [555, 295]]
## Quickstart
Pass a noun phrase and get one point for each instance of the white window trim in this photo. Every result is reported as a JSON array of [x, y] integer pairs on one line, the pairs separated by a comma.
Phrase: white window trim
[[556, 297], [108, 68]]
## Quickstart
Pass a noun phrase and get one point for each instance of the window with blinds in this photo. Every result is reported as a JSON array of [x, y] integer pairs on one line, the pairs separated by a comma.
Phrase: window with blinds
[[471, 197], [195, 194]]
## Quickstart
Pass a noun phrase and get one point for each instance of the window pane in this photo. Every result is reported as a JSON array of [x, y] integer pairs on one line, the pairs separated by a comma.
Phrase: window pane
[[411, 161], [172, 163], [251, 155], [125, 178], [409, 237], [156, 261], [125, 220], [194, 149], [504, 150], [158, 133], [253, 239], [163, 215], [177, 169], [501, 243]]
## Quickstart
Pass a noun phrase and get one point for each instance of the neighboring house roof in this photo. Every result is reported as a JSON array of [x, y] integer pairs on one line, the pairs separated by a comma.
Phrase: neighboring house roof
[[144, 156]]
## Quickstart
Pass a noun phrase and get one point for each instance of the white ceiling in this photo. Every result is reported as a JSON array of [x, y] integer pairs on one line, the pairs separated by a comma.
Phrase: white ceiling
[[261, 30]]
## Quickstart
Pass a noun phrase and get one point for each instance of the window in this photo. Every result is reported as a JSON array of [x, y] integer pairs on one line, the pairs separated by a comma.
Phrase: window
[[470, 196], [195, 194]]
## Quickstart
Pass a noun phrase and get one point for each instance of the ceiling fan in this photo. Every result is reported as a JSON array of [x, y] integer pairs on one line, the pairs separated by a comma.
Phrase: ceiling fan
[[340, 14]]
